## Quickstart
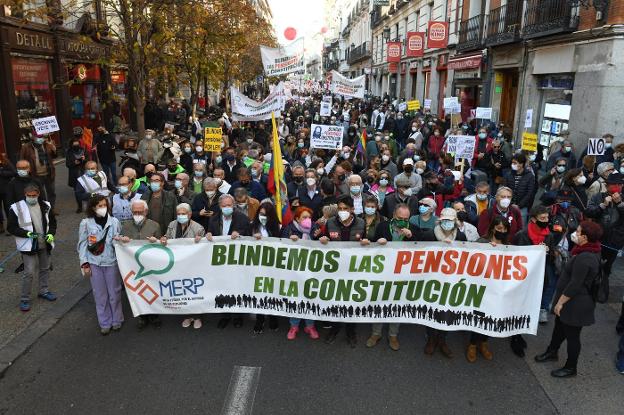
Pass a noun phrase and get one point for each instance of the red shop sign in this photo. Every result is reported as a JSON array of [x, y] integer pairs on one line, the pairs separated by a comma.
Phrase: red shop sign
[[118, 77], [30, 71], [394, 51], [437, 35], [465, 62], [393, 67], [415, 44]]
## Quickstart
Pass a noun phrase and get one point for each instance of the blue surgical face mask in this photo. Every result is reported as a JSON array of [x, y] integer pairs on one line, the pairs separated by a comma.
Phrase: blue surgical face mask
[[122, 189], [39, 140], [423, 209], [91, 173], [227, 211], [155, 186], [188, 150], [482, 135], [219, 159], [198, 173], [182, 219], [31, 200], [370, 211], [447, 225], [355, 190], [564, 205], [22, 173], [178, 184]]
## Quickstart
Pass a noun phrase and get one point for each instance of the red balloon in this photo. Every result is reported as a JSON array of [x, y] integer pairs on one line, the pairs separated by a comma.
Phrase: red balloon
[[290, 33], [324, 29]]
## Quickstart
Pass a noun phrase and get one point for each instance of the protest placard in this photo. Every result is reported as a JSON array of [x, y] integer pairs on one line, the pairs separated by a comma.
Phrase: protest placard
[[529, 142], [328, 137], [45, 125]]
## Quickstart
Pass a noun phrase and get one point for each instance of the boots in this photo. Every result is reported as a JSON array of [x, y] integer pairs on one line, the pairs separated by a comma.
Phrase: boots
[[373, 340], [485, 351], [471, 353], [432, 343]]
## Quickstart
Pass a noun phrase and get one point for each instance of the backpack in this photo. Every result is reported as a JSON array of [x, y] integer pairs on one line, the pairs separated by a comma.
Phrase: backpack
[[599, 287]]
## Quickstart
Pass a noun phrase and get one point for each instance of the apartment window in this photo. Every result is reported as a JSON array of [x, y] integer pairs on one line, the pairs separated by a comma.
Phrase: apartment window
[[430, 12]]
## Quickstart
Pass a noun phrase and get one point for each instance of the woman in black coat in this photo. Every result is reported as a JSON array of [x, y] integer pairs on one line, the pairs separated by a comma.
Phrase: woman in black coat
[[75, 160], [574, 304], [265, 224], [7, 172]]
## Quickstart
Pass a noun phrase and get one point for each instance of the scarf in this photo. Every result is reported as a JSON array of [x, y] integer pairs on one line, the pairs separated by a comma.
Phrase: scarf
[[442, 237], [305, 233], [593, 247], [537, 234]]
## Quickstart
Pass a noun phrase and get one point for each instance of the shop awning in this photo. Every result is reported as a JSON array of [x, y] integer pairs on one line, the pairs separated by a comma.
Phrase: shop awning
[[465, 62]]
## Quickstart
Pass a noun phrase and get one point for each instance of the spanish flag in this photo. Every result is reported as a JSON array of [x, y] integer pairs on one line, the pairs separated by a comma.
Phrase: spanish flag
[[277, 181]]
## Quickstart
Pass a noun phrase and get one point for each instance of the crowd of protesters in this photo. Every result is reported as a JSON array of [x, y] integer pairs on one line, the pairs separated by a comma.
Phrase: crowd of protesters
[[399, 185]]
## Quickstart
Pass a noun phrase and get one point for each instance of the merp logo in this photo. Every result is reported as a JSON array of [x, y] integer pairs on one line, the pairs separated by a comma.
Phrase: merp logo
[[143, 289]]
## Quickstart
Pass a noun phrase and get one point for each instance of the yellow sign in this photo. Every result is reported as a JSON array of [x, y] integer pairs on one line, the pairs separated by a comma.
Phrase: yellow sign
[[413, 105], [213, 137], [529, 142]]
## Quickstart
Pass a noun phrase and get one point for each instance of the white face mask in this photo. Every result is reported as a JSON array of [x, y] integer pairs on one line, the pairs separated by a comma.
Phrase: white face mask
[[210, 193], [101, 211], [138, 219], [505, 202], [514, 167], [574, 237], [310, 181], [344, 215], [262, 219], [408, 192], [419, 171], [581, 180], [385, 158], [199, 149], [320, 172]]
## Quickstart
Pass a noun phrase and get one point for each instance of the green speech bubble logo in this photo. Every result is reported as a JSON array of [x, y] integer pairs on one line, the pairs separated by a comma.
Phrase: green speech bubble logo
[[142, 272]]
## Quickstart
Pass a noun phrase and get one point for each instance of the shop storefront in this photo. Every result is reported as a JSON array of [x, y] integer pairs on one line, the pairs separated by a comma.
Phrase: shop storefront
[[413, 73], [467, 82]]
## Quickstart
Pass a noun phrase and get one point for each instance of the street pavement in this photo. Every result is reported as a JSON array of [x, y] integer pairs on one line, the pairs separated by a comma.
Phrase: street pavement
[[71, 368]]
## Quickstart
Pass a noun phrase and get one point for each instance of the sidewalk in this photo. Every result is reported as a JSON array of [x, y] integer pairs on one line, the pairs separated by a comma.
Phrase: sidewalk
[[64, 276]]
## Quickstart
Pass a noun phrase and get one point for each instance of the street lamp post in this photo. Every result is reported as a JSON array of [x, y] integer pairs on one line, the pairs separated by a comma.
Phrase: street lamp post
[[386, 37]]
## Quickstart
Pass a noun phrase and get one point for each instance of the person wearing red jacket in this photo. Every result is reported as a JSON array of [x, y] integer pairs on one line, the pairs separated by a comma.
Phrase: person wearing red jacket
[[434, 146], [504, 208]]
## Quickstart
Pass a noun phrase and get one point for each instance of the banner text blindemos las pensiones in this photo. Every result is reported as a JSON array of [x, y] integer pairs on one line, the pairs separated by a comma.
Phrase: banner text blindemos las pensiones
[[458, 286]]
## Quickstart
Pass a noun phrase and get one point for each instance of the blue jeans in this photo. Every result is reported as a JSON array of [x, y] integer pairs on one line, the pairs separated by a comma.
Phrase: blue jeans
[[620, 356], [295, 322], [550, 283]]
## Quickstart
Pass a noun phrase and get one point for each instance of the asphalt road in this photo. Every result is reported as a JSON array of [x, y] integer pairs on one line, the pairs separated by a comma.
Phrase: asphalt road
[[72, 369]]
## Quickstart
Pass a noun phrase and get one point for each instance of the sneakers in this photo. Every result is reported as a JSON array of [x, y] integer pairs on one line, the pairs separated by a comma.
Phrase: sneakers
[[292, 333], [543, 316], [393, 342], [117, 327], [373, 340], [24, 306], [48, 296], [311, 331], [485, 351], [471, 353], [197, 324], [105, 331], [186, 323]]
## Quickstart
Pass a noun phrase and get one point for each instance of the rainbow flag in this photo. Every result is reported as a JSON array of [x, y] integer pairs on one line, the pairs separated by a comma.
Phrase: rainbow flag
[[277, 181], [361, 145]]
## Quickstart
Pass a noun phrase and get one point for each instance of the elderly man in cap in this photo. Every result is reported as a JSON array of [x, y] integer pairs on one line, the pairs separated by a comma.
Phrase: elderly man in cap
[[408, 172], [150, 149], [600, 185]]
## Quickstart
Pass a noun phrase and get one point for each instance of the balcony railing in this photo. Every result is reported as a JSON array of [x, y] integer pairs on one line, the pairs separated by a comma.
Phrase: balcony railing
[[548, 17], [364, 51], [332, 65], [471, 34], [504, 24]]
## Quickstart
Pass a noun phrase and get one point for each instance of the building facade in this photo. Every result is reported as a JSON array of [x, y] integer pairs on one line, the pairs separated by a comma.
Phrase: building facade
[[561, 59], [55, 67]]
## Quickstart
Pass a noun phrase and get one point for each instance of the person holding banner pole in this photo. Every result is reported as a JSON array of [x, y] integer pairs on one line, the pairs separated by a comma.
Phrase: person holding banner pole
[[445, 231]]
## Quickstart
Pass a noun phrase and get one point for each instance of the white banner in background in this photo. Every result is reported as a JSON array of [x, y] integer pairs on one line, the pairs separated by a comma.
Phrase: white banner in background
[[246, 109], [341, 85], [283, 60], [459, 286]]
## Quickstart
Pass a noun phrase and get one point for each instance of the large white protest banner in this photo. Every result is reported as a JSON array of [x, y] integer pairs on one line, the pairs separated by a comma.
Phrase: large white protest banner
[[346, 87], [326, 136], [246, 109], [283, 60], [494, 290]]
